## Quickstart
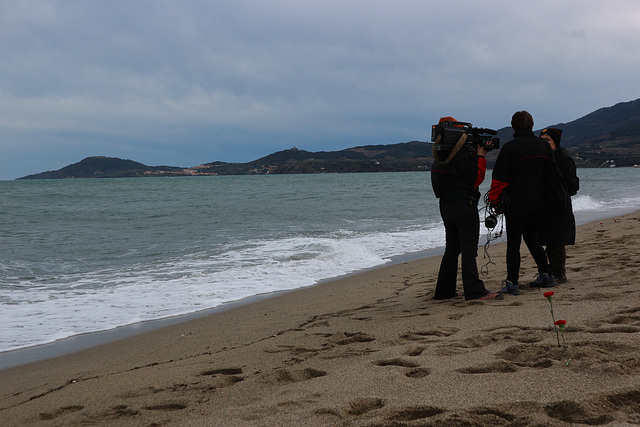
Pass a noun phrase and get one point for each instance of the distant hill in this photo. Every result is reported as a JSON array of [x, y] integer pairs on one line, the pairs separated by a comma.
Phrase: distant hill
[[617, 126], [102, 167], [607, 137], [406, 156]]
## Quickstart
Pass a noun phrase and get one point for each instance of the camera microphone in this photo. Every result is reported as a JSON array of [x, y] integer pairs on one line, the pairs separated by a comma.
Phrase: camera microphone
[[489, 131]]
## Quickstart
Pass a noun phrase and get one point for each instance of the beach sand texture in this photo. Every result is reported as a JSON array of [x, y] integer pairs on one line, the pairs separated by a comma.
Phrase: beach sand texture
[[372, 349]]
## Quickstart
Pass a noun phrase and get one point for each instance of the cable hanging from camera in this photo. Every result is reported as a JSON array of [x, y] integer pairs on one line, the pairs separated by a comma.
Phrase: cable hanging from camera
[[491, 221]]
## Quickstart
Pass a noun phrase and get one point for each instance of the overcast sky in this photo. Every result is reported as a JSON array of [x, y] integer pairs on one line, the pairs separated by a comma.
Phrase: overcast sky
[[187, 82]]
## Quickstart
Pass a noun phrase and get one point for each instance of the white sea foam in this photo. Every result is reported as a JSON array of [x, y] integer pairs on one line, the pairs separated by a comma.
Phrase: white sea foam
[[587, 208], [586, 203], [106, 299]]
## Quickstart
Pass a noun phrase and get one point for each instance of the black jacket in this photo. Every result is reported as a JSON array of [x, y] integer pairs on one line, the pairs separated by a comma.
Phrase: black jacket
[[568, 168], [459, 179], [559, 229], [520, 171]]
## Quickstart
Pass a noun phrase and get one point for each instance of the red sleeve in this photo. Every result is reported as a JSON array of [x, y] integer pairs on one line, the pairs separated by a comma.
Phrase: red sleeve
[[497, 187], [482, 170]]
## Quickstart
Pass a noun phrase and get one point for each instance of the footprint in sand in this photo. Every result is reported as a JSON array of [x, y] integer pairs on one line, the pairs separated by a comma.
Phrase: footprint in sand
[[354, 337], [496, 367], [224, 377], [121, 411], [425, 335], [364, 405], [606, 357], [574, 413], [172, 406], [629, 316], [286, 376], [493, 413], [476, 342], [417, 373], [620, 407], [355, 408], [615, 329], [223, 371], [414, 351], [413, 413], [459, 316], [396, 362], [61, 411], [533, 356]]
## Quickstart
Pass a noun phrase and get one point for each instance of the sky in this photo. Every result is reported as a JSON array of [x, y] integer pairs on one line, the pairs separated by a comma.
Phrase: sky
[[188, 82]]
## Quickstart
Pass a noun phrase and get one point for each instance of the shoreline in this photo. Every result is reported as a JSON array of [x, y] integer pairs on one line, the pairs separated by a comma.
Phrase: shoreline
[[75, 343], [373, 348], [84, 341]]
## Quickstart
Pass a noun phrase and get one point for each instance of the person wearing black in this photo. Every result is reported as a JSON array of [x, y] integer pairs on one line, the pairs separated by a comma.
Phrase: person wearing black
[[518, 176], [455, 178], [559, 228]]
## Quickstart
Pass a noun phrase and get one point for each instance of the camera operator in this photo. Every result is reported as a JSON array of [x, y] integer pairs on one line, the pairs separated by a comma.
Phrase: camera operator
[[456, 175], [520, 171]]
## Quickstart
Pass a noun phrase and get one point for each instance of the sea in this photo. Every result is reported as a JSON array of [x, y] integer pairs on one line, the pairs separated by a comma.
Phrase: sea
[[79, 256]]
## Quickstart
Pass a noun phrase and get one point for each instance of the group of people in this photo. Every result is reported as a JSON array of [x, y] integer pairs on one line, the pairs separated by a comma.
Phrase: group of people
[[518, 191]]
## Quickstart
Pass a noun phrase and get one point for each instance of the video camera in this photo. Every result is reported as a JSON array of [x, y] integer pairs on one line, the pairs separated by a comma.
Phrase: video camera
[[450, 133]]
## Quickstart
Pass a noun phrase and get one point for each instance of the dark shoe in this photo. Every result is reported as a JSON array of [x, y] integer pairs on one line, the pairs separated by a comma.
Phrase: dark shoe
[[510, 288], [544, 280], [491, 297], [561, 279]]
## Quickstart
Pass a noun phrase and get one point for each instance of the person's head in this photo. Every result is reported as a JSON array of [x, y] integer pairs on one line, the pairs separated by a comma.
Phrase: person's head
[[552, 136], [522, 120]]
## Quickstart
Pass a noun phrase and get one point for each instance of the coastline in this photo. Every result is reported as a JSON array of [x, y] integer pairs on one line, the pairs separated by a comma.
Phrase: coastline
[[371, 347], [76, 343]]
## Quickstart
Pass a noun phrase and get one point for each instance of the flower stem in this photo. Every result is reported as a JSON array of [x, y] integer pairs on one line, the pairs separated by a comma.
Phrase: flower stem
[[564, 343], [555, 328]]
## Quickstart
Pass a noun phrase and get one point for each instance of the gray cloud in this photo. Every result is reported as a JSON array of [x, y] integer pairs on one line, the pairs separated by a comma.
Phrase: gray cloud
[[186, 82]]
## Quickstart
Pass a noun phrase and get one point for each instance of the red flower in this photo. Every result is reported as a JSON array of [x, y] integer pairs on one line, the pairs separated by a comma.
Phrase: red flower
[[548, 294], [560, 324]]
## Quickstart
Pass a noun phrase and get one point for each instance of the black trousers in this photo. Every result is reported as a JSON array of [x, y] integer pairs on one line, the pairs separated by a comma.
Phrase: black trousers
[[557, 256], [524, 227], [462, 228]]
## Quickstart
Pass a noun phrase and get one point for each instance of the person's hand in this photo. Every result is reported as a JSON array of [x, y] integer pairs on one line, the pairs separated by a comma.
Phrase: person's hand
[[481, 151]]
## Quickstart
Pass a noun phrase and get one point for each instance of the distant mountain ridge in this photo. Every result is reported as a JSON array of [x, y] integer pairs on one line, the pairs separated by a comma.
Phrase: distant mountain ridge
[[606, 137], [617, 126], [101, 167]]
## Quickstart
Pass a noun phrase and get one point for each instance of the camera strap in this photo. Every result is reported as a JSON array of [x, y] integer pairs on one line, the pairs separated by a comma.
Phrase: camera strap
[[456, 148]]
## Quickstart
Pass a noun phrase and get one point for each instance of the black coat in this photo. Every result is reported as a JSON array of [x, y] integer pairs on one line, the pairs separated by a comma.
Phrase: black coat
[[521, 166], [559, 229], [458, 179]]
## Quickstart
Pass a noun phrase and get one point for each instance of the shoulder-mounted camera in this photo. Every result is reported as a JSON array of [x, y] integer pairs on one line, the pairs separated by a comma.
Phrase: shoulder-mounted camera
[[447, 134]]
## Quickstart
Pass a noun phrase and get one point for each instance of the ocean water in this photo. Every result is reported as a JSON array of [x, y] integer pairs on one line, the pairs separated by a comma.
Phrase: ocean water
[[80, 256]]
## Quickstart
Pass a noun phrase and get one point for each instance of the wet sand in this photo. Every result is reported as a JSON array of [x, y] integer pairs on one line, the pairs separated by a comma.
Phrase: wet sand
[[372, 349]]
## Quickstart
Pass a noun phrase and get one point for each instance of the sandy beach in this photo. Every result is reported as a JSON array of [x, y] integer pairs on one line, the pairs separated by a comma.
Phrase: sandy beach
[[372, 349]]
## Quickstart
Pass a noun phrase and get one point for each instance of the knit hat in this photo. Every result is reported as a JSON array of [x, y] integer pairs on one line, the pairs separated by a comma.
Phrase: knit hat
[[554, 133], [450, 120], [446, 119]]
